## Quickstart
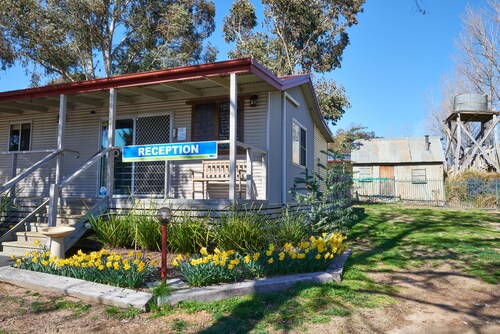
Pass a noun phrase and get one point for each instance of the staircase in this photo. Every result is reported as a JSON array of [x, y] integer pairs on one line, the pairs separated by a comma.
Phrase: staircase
[[71, 212]]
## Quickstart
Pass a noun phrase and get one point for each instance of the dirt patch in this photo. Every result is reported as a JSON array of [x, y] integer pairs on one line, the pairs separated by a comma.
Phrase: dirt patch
[[429, 300]]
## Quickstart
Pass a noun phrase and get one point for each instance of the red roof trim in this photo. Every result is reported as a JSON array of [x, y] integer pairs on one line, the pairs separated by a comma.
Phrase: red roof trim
[[244, 65]]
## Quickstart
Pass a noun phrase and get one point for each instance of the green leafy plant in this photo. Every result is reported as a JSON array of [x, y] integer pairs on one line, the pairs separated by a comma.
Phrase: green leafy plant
[[243, 230], [147, 232], [112, 230], [289, 226], [189, 233], [328, 198]]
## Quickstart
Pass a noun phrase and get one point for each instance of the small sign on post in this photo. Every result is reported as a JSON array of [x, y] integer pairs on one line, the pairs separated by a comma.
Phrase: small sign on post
[[171, 151]]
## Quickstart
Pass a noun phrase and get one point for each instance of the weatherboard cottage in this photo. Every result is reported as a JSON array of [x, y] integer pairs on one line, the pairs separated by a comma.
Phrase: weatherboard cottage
[[200, 136]]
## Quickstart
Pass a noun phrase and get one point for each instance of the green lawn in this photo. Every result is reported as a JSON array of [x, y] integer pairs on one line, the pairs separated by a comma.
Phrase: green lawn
[[384, 238], [398, 237]]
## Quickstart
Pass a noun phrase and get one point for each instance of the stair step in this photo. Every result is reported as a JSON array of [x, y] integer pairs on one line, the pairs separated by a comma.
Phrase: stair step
[[30, 237], [18, 248], [35, 227]]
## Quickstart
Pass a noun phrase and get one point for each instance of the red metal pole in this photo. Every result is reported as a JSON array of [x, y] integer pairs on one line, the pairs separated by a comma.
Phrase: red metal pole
[[164, 234]]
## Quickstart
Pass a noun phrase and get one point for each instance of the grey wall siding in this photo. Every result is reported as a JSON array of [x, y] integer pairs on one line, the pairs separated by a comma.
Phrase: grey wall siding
[[302, 115], [43, 137], [320, 146], [275, 154]]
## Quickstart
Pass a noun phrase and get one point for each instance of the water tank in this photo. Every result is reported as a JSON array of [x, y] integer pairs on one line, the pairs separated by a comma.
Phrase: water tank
[[470, 102]]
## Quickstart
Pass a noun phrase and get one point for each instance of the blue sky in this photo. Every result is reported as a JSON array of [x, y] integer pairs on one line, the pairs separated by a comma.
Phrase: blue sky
[[394, 63]]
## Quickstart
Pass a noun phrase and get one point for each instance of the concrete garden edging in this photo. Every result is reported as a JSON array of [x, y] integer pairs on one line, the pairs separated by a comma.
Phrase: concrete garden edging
[[68, 286], [122, 297], [272, 284]]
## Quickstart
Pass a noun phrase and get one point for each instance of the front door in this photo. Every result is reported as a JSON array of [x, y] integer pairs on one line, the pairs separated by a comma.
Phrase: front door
[[387, 181], [138, 178]]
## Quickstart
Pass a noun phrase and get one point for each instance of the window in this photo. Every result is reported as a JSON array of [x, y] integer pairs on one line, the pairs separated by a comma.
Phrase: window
[[418, 175], [20, 137], [298, 144], [211, 121], [365, 174]]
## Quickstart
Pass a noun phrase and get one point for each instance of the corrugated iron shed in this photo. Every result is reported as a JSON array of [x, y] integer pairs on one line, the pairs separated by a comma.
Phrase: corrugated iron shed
[[397, 150]]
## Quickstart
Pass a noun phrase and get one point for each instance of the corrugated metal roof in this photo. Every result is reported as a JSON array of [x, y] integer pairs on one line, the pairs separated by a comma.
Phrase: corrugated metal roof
[[397, 150]]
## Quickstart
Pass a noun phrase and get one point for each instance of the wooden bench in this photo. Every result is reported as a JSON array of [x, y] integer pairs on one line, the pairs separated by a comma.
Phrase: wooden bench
[[217, 171]]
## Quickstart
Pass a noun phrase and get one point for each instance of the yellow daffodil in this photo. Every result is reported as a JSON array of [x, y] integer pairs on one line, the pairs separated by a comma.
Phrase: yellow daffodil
[[247, 259], [301, 256], [36, 242], [175, 263], [281, 256], [271, 260], [203, 251], [256, 256]]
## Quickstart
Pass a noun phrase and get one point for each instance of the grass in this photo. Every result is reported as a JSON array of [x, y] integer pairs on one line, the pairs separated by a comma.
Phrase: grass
[[384, 238], [121, 314], [395, 237]]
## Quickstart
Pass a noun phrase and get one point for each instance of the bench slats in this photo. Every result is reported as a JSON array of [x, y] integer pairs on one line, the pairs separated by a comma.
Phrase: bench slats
[[217, 171]]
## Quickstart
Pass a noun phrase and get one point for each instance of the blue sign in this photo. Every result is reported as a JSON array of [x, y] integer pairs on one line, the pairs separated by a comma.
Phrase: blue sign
[[175, 151]]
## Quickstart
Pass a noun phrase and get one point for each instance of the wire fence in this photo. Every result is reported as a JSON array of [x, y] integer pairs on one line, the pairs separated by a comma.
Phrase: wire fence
[[471, 193]]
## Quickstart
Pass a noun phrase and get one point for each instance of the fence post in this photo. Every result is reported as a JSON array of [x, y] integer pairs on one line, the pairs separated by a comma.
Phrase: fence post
[[496, 194]]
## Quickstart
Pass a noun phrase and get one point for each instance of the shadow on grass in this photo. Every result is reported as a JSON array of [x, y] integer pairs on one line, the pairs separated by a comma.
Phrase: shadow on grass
[[393, 236], [283, 311]]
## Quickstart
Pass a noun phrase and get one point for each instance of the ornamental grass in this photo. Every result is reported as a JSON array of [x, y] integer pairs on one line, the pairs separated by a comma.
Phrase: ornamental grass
[[105, 267], [313, 255]]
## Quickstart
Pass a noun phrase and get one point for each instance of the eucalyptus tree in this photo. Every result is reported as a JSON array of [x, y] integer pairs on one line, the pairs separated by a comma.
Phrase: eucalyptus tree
[[296, 37], [69, 40]]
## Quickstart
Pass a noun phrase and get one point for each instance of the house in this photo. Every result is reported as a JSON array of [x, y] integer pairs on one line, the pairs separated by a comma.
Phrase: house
[[408, 169], [71, 141]]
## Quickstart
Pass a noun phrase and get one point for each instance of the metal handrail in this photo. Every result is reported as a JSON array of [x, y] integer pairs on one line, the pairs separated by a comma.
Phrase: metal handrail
[[95, 158], [11, 183]]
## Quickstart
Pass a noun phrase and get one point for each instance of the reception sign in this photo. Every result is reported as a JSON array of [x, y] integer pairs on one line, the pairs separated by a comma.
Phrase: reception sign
[[174, 151]]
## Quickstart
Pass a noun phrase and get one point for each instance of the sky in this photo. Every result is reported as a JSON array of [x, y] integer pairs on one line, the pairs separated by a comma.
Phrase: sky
[[394, 62]]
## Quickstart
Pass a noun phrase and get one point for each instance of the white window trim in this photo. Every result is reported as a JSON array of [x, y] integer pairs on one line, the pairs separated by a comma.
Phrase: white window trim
[[414, 181], [20, 123], [305, 151]]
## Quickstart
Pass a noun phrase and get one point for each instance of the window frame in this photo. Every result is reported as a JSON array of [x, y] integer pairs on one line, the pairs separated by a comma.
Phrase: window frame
[[217, 112], [362, 176], [417, 179], [20, 124], [304, 147]]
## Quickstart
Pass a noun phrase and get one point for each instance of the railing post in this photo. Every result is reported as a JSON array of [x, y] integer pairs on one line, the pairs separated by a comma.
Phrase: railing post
[[264, 176], [13, 173], [60, 137], [111, 142], [233, 122], [249, 173], [496, 194], [54, 198]]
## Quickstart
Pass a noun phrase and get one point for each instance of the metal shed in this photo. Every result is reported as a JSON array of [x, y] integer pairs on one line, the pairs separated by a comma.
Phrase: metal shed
[[407, 169]]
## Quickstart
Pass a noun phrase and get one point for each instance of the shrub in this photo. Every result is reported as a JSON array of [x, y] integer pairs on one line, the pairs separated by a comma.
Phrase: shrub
[[102, 267], [147, 232], [328, 199], [244, 231], [113, 230], [188, 234], [289, 226], [229, 266]]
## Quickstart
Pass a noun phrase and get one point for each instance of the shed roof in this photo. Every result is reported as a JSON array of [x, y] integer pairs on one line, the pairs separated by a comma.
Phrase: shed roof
[[397, 150]]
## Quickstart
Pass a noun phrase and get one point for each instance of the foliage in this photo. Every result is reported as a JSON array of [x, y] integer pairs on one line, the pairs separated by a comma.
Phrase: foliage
[[103, 267], [242, 230], [289, 226], [296, 37], [74, 40], [328, 198], [112, 230], [345, 140], [230, 266], [137, 227], [188, 233], [473, 188]]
